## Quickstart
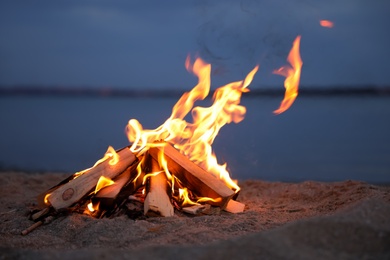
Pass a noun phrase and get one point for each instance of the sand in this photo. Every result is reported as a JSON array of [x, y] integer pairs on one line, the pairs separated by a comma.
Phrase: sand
[[312, 220]]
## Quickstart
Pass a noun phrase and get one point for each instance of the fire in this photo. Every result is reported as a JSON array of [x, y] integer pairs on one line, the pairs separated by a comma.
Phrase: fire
[[184, 196], [292, 73], [110, 153], [46, 199], [103, 182], [195, 139], [326, 23]]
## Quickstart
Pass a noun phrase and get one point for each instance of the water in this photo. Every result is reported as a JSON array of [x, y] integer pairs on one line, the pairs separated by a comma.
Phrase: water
[[319, 138]]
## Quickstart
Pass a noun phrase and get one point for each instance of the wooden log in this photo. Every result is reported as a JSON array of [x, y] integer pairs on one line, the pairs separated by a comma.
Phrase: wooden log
[[116, 194], [112, 191], [202, 183], [157, 201], [194, 209], [235, 207], [71, 192]]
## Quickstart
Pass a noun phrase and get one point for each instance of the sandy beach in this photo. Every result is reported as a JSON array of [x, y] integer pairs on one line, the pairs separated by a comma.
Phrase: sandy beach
[[307, 220]]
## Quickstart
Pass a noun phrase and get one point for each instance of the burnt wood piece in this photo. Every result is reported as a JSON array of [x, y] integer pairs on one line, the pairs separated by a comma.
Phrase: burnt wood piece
[[69, 193], [157, 201], [200, 182]]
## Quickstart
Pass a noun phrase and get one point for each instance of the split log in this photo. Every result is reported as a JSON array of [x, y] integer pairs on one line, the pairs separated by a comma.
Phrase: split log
[[202, 183], [71, 192], [157, 201], [235, 207], [123, 181]]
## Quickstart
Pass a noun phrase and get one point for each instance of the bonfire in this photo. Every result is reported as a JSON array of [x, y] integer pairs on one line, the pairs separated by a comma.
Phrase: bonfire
[[170, 168]]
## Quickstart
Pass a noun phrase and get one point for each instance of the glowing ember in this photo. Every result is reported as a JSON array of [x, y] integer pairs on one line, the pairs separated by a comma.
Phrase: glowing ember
[[292, 73], [326, 23]]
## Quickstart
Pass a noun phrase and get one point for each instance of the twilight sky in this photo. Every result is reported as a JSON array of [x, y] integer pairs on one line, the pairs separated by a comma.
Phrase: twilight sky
[[134, 44]]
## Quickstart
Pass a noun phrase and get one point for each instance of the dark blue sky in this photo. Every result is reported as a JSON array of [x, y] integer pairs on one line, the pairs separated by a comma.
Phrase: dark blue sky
[[144, 43]]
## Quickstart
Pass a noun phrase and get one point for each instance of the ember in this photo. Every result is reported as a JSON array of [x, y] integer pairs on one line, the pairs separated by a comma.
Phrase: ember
[[172, 167]]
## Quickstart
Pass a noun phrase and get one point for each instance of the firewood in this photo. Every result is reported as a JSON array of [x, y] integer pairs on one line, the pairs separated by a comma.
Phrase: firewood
[[195, 178], [71, 192], [40, 213], [157, 201], [235, 207], [194, 209], [123, 181], [37, 224]]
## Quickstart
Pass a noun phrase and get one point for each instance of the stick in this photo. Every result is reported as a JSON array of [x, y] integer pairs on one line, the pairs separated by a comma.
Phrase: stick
[[40, 214], [37, 224]]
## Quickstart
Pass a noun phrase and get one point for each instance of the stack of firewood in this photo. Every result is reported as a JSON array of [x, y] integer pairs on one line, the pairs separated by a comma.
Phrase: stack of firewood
[[142, 178]]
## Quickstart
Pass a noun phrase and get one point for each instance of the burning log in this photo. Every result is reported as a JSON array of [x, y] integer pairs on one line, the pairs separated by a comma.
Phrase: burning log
[[196, 179], [71, 192], [124, 185], [157, 201]]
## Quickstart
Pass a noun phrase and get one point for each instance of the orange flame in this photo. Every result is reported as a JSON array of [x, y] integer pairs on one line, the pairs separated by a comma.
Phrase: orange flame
[[195, 139], [326, 23], [292, 74], [46, 199]]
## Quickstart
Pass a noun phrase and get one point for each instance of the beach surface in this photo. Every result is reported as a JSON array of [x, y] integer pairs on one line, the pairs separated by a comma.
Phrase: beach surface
[[306, 220]]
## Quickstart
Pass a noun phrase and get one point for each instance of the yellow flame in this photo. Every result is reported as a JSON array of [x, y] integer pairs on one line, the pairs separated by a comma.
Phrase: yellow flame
[[92, 208], [110, 153], [103, 182], [149, 175], [292, 73], [184, 196], [326, 23], [195, 139], [206, 199]]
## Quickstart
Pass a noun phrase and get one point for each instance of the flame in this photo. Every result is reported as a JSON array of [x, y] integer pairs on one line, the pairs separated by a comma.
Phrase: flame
[[184, 197], [149, 175], [326, 23], [195, 139], [46, 199], [92, 208], [110, 153], [103, 182], [292, 74]]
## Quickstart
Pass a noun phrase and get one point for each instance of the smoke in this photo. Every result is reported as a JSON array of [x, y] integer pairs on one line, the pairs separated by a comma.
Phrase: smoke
[[237, 35]]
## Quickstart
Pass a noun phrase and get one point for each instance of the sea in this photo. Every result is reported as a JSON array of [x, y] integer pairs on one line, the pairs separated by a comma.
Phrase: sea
[[320, 138]]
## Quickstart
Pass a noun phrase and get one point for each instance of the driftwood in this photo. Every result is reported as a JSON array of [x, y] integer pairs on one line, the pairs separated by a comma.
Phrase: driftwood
[[69, 193], [202, 183]]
